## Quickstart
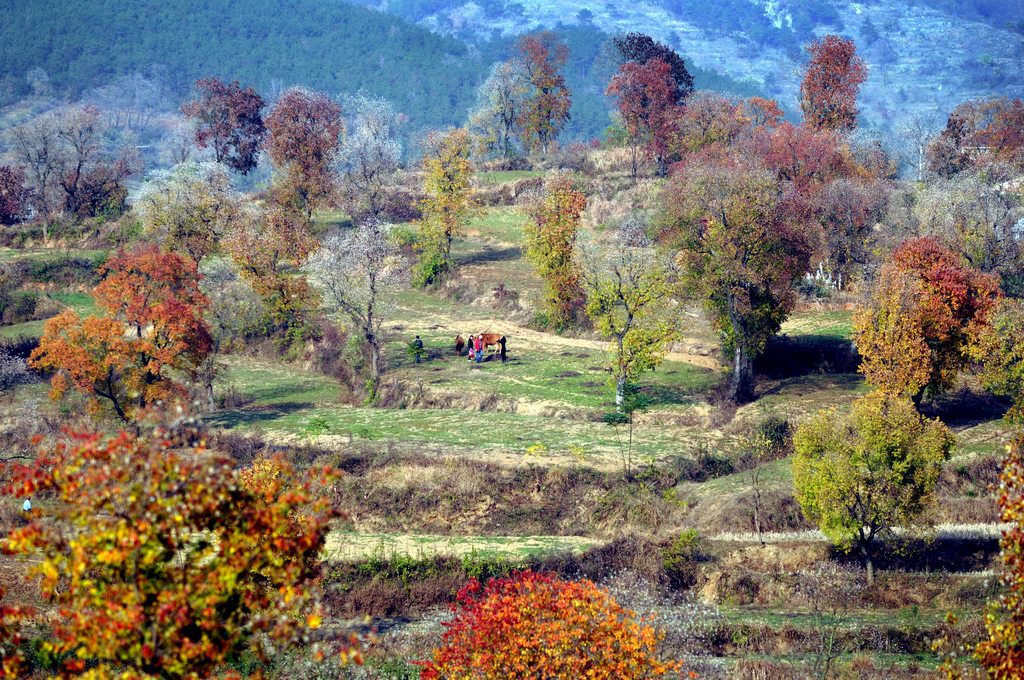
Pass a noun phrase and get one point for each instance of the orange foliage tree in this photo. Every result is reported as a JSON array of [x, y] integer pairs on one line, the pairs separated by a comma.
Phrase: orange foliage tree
[[268, 248], [159, 561], [551, 246], [1002, 654], [151, 324], [828, 93], [537, 626], [546, 108], [915, 334]]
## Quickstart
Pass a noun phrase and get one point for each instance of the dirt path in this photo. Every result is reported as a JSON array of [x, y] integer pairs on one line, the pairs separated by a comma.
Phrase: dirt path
[[519, 336]]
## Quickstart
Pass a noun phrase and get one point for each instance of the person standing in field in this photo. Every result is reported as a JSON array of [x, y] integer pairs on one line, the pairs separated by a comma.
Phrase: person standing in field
[[478, 345], [501, 342]]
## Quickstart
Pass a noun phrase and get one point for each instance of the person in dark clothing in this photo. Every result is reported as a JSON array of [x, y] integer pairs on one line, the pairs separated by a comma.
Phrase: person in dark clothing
[[501, 343], [417, 348]]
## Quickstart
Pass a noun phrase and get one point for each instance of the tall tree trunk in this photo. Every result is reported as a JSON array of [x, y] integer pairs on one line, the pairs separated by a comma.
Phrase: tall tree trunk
[[869, 564], [741, 389]]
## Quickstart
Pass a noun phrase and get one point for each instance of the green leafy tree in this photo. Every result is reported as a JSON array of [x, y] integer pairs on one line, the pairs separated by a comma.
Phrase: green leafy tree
[[1000, 349], [447, 182], [628, 295], [551, 247], [738, 252], [859, 476]]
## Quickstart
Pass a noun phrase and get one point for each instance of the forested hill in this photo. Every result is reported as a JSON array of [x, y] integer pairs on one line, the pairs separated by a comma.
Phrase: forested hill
[[330, 45]]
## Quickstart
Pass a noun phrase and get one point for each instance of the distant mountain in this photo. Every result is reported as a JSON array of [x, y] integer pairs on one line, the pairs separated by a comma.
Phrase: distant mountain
[[269, 44], [925, 56], [73, 47]]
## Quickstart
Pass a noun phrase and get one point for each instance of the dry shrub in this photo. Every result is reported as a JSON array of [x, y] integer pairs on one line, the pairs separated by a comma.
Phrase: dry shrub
[[761, 669], [613, 160]]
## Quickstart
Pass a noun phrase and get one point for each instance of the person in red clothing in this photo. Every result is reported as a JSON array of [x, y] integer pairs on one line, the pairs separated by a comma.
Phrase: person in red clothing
[[478, 347]]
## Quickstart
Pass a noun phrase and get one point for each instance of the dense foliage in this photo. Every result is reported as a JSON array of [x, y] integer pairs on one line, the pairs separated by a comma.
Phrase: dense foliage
[[534, 625], [916, 332], [858, 476], [160, 560], [1002, 654]]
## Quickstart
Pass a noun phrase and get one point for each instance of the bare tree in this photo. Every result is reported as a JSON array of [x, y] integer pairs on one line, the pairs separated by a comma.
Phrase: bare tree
[[371, 155], [179, 144], [234, 309], [358, 273], [69, 165], [493, 122], [37, 148], [979, 218], [829, 592]]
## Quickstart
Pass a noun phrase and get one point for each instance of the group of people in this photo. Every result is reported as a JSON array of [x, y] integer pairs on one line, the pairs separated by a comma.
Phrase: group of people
[[477, 343]]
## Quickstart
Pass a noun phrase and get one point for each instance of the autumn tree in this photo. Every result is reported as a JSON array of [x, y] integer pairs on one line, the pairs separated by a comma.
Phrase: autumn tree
[[647, 103], [269, 247], [546, 108], [914, 335], [14, 195], [304, 141], [859, 476], [641, 49], [628, 293], [979, 132], [189, 208], [551, 247], [370, 156], [736, 252], [151, 326], [494, 121], [1002, 653], [533, 625], [358, 274], [828, 92], [228, 118], [708, 118], [447, 183], [999, 348], [157, 560]]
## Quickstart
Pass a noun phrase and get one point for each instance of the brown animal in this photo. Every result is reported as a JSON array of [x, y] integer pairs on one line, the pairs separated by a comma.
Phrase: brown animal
[[460, 342], [493, 339]]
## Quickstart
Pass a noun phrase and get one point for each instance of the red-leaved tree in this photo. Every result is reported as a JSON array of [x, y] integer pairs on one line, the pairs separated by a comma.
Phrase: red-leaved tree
[[537, 626], [546, 108], [229, 120], [647, 101], [828, 93], [915, 334], [305, 137], [13, 194], [151, 324]]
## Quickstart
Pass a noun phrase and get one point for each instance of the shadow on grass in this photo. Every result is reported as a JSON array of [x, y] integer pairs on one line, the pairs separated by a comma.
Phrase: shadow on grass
[[668, 395], [489, 254], [793, 356], [965, 408], [253, 416]]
